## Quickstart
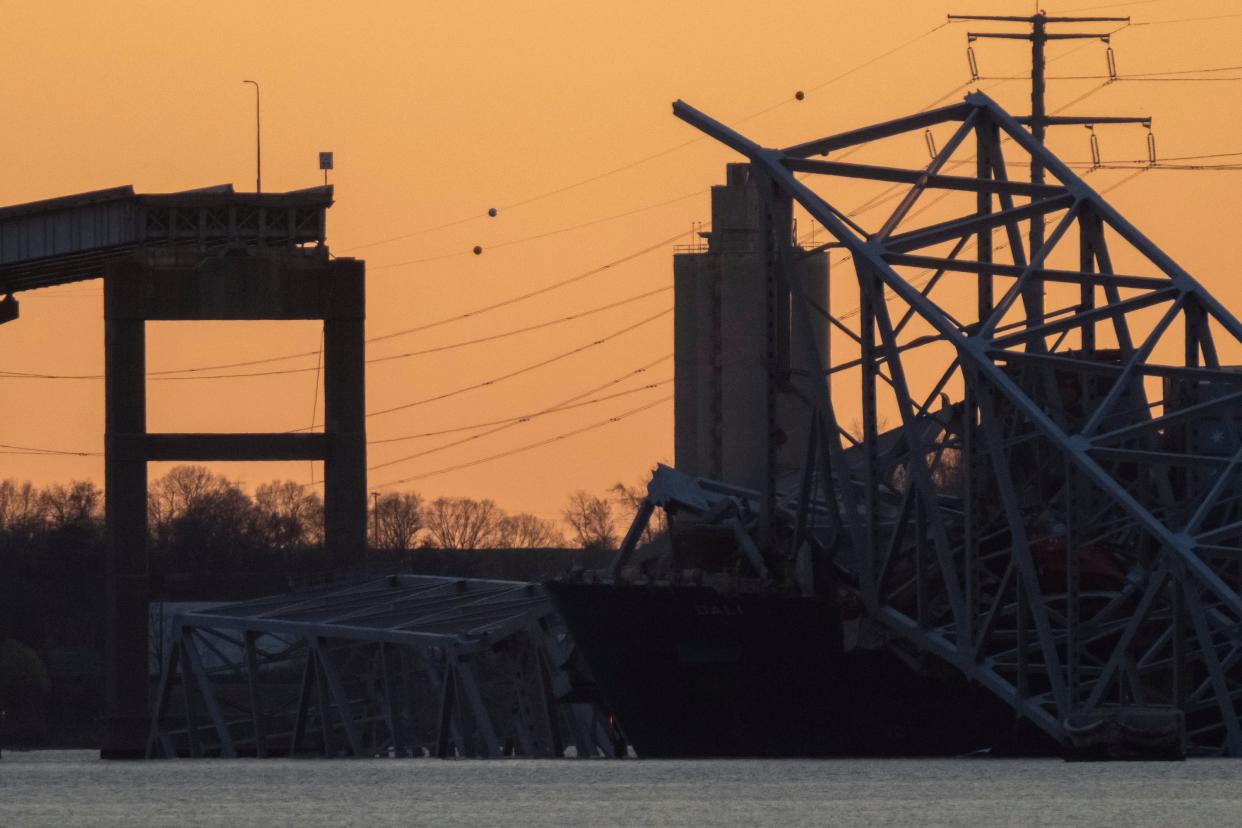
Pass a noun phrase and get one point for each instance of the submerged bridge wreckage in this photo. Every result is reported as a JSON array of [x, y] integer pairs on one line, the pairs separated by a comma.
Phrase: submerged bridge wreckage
[[472, 646], [1057, 516], [403, 665]]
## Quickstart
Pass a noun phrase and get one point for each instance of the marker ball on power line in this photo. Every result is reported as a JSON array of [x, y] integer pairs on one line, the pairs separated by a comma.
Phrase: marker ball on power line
[[492, 212], [799, 95], [477, 250]]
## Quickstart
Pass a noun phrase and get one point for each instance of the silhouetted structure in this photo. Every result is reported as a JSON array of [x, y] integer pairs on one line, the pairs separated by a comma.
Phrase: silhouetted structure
[[1056, 517], [200, 255], [735, 420], [404, 665]]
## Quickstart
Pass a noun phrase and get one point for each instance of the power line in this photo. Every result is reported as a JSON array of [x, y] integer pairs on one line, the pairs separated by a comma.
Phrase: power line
[[1179, 80], [504, 303], [511, 452], [559, 406], [513, 300], [1120, 78], [1159, 165], [598, 176], [389, 358], [879, 57], [1202, 71], [315, 395], [546, 234], [523, 418], [1196, 157], [442, 348], [635, 163], [455, 345], [526, 368], [36, 450], [1111, 6], [565, 404], [462, 441], [1122, 182], [896, 190], [1093, 90], [570, 404], [1188, 19], [624, 167], [413, 233], [891, 192], [535, 327], [562, 404]]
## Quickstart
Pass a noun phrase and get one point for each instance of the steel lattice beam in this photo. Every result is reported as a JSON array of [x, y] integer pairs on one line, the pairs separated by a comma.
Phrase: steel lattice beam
[[1087, 555], [360, 651]]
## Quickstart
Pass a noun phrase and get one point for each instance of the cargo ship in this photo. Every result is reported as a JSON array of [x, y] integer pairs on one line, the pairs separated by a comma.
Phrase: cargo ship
[[690, 672], [695, 659]]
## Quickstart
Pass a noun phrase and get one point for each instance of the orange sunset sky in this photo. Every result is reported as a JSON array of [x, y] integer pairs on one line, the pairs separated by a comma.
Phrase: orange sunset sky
[[438, 111]]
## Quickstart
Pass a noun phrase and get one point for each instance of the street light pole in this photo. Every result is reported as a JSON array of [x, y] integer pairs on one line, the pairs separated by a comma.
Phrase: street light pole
[[258, 145]]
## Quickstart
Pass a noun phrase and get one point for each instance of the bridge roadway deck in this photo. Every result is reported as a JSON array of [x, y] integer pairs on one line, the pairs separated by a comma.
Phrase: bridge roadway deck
[[69, 239]]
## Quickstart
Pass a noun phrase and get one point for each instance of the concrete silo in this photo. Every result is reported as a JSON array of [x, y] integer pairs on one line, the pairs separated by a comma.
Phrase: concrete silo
[[740, 358]]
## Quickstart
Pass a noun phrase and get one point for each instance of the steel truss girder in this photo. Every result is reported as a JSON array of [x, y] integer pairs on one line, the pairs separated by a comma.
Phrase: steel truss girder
[[360, 686], [1111, 473]]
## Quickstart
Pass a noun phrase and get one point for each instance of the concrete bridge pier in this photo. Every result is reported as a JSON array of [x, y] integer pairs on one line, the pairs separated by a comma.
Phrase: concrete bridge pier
[[284, 285]]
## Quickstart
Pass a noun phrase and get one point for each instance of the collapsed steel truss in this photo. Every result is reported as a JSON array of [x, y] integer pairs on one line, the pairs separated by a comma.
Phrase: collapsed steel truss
[[398, 666], [1059, 513]]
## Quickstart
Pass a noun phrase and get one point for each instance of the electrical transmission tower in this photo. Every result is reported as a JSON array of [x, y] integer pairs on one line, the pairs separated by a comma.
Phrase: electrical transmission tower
[[1039, 120]]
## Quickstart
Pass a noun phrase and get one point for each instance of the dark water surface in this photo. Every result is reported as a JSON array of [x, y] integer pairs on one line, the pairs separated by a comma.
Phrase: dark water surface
[[75, 788]]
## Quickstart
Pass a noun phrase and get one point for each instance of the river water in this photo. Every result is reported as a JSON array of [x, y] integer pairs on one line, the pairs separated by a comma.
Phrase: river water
[[75, 788]]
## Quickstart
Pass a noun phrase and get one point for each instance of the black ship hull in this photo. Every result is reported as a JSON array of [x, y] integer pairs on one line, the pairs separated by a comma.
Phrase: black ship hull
[[689, 672]]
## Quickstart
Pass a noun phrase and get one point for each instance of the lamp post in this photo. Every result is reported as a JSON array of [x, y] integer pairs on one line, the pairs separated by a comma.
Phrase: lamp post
[[258, 145]]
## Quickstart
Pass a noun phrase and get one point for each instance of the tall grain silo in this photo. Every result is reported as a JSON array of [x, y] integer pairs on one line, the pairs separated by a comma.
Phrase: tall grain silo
[[740, 356]]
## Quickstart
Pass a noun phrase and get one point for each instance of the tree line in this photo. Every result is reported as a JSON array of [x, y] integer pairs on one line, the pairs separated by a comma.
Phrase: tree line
[[192, 508], [209, 536]]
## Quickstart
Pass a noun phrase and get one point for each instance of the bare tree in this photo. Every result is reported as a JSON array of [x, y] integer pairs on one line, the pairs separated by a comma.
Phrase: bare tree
[[22, 510], [462, 523], [523, 531], [79, 502], [396, 519], [204, 515], [590, 518], [287, 516], [176, 492]]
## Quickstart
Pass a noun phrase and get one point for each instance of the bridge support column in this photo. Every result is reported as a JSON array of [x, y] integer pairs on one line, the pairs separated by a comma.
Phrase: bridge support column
[[125, 487], [293, 286]]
